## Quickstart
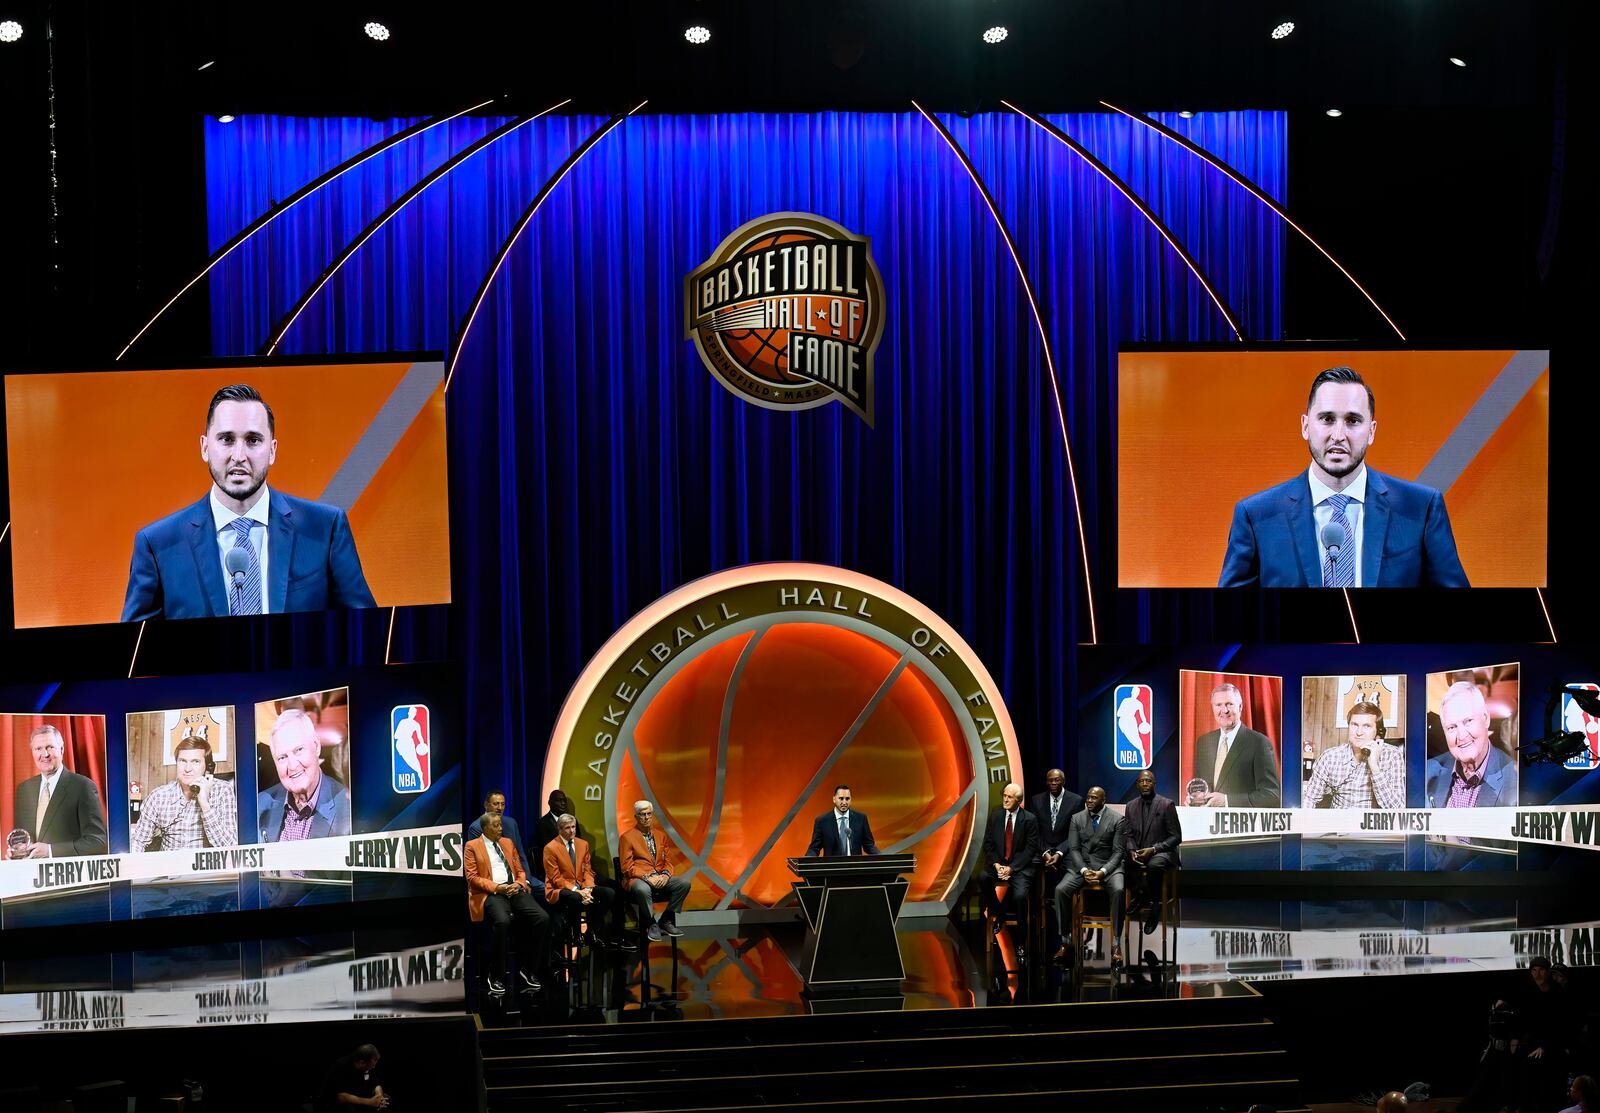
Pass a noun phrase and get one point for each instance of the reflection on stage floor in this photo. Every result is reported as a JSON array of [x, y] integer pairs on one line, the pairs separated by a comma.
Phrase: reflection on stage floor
[[365, 976], [732, 972]]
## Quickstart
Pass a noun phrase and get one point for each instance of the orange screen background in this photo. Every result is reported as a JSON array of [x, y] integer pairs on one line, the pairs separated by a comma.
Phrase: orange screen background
[[96, 457], [1198, 431]]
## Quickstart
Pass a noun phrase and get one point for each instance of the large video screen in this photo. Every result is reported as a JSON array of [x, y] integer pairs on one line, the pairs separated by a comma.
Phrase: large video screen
[[232, 490], [176, 795], [1296, 467]]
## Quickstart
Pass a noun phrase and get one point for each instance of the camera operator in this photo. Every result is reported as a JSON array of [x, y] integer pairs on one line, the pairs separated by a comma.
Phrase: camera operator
[[1545, 1026]]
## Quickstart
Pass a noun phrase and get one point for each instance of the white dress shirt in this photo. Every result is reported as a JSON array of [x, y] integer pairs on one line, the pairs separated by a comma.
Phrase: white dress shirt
[[499, 868], [1354, 513], [223, 517]]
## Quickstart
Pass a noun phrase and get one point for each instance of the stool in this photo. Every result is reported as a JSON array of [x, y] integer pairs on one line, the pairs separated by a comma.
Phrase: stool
[[1082, 919], [646, 986], [1167, 909], [1028, 922]]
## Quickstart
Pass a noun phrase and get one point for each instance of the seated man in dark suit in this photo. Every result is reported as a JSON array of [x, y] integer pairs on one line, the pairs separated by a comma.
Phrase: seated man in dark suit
[[1152, 846], [243, 548], [1010, 845], [1342, 524], [1054, 809], [494, 803], [58, 810], [841, 832], [1094, 853]]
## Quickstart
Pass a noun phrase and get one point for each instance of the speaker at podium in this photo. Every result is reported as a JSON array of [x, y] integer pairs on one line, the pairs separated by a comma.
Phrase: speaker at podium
[[851, 905]]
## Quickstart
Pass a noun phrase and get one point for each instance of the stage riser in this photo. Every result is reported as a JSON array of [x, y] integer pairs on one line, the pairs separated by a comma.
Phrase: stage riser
[[1002, 1049]]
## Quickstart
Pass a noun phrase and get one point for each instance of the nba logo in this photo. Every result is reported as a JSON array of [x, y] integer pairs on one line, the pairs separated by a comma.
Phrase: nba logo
[[1577, 720], [1132, 727], [410, 734]]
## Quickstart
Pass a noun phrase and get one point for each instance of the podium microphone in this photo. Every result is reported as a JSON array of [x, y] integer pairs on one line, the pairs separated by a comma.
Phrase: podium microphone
[[1333, 539], [237, 562]]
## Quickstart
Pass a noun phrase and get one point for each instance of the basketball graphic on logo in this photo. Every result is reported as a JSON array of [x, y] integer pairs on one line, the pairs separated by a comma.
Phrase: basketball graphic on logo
[[736, 704], [787, 313]]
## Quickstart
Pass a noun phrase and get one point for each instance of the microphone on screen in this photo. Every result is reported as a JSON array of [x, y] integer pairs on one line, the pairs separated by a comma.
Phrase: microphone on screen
[[1333, 538], [237, 563]]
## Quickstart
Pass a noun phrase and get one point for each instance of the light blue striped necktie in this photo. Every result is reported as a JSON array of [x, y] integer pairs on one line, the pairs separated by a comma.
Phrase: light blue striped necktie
[[246, 599], [1342, 572]]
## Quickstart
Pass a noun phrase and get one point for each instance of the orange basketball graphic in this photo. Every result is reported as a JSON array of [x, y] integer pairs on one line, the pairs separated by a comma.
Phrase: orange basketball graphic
[[737, 703]]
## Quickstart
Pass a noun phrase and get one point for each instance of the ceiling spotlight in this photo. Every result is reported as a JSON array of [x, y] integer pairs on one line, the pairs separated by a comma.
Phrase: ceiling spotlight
[[1454, 61], [10, 31], [208, 65], [996, 34], [1283, 30], [1186, 114], [377, 32], [225, 118], [1334, 112], [697, 35]]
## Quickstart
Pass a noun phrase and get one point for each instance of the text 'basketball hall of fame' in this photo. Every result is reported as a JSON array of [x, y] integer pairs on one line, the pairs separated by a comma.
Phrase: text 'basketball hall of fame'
[[787, 313]]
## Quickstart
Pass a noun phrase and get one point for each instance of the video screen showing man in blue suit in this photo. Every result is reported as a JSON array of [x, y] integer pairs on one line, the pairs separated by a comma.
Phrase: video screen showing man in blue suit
[[1341, 523], [243, 548]]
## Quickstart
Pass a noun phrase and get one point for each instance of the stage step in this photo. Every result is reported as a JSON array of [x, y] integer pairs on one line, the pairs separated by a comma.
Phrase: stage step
[[1207, 1053]]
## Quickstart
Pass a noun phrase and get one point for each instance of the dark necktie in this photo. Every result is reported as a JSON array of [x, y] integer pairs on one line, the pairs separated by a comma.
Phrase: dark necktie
[[1008, 836], [844, 835], [572, 854], [1095, 820]]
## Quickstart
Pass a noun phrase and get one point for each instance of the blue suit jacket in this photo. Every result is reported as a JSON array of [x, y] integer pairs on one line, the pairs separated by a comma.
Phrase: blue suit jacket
[[825, 835], [332, 816], [1406, 539], [312, 563], [1499, 780]]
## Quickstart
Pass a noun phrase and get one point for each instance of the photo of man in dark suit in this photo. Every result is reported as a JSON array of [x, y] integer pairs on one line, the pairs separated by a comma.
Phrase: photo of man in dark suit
[[59, 810], [243, 548], [1341, 523], [1236, 762], [841, 832]]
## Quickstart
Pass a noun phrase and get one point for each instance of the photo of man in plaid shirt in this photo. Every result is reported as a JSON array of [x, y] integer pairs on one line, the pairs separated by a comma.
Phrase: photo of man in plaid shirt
[[1363, 774], [196, 810]]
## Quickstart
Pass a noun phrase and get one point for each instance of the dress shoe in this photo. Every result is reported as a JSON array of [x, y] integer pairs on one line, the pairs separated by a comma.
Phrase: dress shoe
[[1116, 959], [495, 987], [1022, 956], [1152, 920], [1063, 955], [530, 984], [653, 933], [671, 928], [626, 943], [995, 925]]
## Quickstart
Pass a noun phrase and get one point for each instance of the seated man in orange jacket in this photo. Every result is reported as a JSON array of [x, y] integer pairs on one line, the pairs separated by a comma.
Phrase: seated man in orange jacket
[[500, 891], [647, 874], [569, 881]]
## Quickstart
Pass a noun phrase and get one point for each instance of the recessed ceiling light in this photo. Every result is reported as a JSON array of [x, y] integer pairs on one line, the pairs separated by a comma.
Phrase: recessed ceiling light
[[1186, 114], [376, 31], [1335, 112], [1454, 61], [225, 118], [1283, 30], [697, 34], [11, 31], [996, 34]]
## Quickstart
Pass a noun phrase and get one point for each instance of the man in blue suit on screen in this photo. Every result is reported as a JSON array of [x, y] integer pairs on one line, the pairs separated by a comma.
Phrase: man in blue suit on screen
[[243, 548], [1342, 524]]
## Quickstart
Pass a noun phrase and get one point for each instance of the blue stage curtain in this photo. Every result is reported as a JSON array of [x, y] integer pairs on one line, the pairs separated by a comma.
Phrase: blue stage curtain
[[596, 464]]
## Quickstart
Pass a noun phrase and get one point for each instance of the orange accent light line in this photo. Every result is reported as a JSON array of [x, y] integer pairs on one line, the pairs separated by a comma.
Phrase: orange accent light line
[[1260, 195], [1347, 606], [389, 644], [1044, 341], [137, 642], [1540, 592], [522, 223], [299, 195], [1149, 214]]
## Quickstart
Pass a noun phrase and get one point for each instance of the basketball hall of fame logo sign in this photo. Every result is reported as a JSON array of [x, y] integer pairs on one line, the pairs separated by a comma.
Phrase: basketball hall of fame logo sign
[[787, 313], [738, 702]]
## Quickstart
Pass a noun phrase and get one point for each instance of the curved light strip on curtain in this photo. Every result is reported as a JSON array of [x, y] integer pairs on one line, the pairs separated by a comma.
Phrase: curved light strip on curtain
[[527, 216], [1259, 195], [294, 199], [1044, 342], [499, 133], [1126, 190]]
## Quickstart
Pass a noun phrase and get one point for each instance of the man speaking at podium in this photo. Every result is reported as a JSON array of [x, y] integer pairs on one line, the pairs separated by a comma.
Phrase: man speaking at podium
[[841, 832], [243, 548]]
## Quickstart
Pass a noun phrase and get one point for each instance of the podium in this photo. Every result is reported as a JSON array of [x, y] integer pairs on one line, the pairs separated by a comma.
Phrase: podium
[[850, 906]]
